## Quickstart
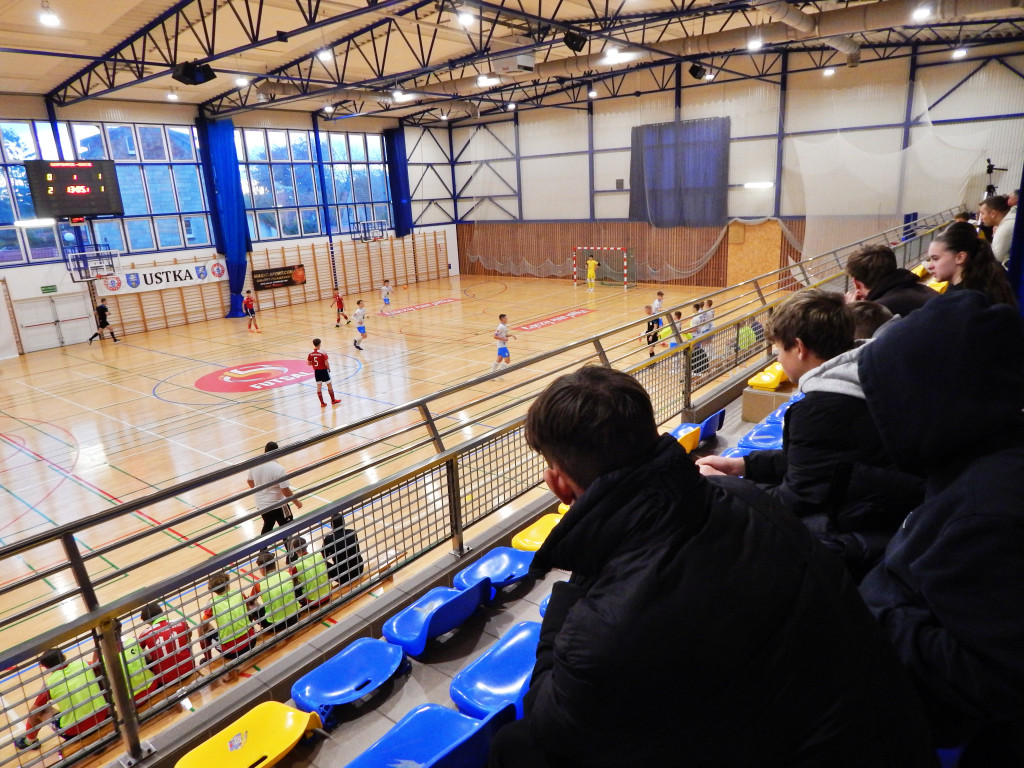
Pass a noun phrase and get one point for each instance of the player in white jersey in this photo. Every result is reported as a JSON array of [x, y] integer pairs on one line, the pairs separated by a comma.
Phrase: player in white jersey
[[656, 306], [359, 316], [385, 296], [501, 336]]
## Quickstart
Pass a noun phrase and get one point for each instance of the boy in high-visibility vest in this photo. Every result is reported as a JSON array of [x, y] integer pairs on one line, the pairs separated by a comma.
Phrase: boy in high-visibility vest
[[310, 573], [234, 635], [72, 696], [276, 590]]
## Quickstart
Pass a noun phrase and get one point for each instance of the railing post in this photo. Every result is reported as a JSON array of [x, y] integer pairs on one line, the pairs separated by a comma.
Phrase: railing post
[[110, 647], [687, 376], [435, 436], [455, 507], [602, 354], [760, 294]]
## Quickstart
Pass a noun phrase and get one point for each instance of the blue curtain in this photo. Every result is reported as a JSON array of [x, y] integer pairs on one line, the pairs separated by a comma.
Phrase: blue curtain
[[227, 206], [398, 180], [679, 173]]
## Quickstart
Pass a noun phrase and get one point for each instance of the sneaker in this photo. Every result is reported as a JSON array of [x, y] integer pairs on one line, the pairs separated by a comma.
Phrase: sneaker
[[335, 402], [337, 325], [357, 346], [258, 331], [90, 340], [23, 742], [115, 341], [323, 404], [348, 322]]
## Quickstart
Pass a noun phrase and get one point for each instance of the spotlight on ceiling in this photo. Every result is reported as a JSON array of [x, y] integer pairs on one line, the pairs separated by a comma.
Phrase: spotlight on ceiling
[[486, 81], [191, 73], [959, 53], [241, 82], [172, 95], [591, 91], [574, 41], [709, 76], [697, 72], [828, 71], [465, 17], [325, 54], [921, 13], [444, 115], [46, 16], [511, 106], [328, 109], [754, 44]]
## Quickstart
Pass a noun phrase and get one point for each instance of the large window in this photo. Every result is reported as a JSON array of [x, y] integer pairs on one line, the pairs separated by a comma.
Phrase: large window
[[157, 169], [281, 187]]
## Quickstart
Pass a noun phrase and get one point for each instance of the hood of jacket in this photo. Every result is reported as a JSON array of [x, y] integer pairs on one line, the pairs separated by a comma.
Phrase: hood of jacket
[[838, 375], [946, 382], [626, 509], [901, 278]]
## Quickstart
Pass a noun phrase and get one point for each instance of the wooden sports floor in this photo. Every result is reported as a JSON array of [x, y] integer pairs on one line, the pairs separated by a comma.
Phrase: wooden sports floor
[[89, 426]]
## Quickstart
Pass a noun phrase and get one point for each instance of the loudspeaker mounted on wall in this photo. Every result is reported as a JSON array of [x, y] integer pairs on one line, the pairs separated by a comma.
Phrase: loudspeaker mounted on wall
[[574, 41], [697, 72], [620, 183]]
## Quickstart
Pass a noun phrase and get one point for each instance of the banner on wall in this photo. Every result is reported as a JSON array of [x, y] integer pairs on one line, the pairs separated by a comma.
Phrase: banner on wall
[[278, 277], [161, 277]]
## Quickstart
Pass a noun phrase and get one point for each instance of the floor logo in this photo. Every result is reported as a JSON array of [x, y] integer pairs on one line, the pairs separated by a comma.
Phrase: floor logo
[[250, 377]]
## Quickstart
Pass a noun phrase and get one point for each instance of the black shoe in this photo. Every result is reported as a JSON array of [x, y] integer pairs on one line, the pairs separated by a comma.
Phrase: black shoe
[[115, 341], [337, 325], [357, 346], [348, 322], [90, 339], [23, 742]]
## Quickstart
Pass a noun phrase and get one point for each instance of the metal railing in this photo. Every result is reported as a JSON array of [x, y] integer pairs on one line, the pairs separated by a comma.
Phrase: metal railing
[[450, 468]]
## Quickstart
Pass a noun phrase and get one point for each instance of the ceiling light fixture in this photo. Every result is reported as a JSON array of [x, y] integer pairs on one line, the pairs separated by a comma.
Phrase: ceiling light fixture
[[444, 115], [241, 82], [325, 55], [758, 184], [755, 44], [32, 223], [172, 95], [921, 13], [591, 91], [709, 76], [465, 17], [959, 53], [511, 106], [828, 71], [486, 81], [46, 16], [329, 109]]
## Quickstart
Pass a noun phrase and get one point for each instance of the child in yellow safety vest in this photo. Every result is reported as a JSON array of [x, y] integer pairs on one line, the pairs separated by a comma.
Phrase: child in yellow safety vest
[[309, 572], [72, 699], [234, 635], [276, 590]]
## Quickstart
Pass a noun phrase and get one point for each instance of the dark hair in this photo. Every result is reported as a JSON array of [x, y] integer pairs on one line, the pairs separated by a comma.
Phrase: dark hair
[[962, 216], [698, 306], [820, 319], [871, 264], [997, 203], [868, 317], [218, 582], [150, 611], [52, 657], [248, 291], [316, 342], [338, 521], [266, 560], [271, 446], [980, 270], [591, 422], [501, 317]]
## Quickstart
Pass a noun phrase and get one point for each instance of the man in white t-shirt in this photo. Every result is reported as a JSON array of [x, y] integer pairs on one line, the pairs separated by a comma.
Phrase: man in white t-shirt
[[709, 316], [501, 336], [272, 500], [656, 306]]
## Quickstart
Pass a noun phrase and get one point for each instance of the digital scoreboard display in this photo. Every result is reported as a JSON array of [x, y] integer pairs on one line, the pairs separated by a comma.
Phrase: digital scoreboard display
[[64, 188]]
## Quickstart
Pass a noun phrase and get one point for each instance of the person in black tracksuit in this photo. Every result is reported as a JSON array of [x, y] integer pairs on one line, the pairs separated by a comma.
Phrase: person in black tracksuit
[[946, 389], [102, 322], [876, 277], [698, 628]]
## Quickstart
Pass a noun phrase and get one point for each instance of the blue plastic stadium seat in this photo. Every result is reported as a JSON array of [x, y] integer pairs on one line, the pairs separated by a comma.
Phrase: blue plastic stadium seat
[[776, 416], [763, 437], [798, 397], [543, 607], [441, 610], [501, 566], [351, 674], [735, 452], [500, 675], [710, 426], [432, 735], [949, 757]]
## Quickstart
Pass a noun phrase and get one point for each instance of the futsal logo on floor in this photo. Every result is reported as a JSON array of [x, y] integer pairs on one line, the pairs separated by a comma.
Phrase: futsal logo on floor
[[268, 374]]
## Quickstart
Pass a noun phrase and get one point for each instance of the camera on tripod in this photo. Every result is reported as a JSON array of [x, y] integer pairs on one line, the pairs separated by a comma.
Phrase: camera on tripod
[[990, 168]]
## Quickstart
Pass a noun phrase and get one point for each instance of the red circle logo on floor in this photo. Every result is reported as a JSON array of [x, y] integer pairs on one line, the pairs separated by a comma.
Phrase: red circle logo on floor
[[251, 377]]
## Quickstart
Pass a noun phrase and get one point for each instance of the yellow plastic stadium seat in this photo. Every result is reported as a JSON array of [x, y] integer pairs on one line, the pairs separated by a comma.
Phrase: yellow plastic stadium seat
[[262, 736], [921, 270], [530, 539], [690, 438], [769, 379], [563, 508], [938, 287]]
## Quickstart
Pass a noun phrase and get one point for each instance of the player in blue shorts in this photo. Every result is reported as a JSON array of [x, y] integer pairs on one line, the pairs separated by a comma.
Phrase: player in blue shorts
[[360, 317], [385, 296], [501, 335]]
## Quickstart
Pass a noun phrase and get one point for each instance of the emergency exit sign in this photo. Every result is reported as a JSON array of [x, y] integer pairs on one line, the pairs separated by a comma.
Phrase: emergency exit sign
[[48, 289]]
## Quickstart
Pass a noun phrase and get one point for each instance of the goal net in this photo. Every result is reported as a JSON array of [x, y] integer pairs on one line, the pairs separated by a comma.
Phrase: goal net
[[615, 264]]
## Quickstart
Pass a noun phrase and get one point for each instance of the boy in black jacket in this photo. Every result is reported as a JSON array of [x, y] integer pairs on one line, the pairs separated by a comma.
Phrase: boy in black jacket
[[697, 629]]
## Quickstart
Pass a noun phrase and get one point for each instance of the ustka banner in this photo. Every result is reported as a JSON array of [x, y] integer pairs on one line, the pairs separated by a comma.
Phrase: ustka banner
[[160, 277]]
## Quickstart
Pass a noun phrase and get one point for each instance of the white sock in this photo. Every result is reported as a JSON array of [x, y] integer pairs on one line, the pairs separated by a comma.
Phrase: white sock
[[503, 365], [494, 366]]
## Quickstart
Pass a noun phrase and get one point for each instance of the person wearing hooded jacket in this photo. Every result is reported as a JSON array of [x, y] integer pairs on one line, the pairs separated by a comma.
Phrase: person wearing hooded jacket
[[946, 388], [698, 628], [833, 470], [876, 277]]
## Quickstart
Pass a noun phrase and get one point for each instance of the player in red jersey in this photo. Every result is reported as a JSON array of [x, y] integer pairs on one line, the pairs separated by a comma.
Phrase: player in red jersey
[[340, 301], [249, 306], [168, 646], [322, 371]]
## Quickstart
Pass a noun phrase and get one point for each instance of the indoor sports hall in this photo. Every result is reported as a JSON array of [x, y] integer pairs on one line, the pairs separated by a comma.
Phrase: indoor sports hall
[[462, 202]]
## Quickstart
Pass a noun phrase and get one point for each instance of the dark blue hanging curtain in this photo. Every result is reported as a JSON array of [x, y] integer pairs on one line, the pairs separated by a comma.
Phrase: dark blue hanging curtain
[[398, 180], [679, 173], [227, 206]]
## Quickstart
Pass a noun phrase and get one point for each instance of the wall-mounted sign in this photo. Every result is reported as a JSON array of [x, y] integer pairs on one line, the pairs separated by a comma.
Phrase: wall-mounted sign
[[278, 277], [48, 288], [160, 277]]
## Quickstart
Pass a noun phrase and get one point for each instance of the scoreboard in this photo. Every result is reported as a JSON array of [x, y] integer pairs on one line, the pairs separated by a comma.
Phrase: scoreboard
[[74, 188]]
